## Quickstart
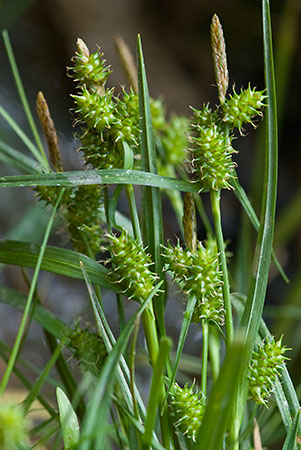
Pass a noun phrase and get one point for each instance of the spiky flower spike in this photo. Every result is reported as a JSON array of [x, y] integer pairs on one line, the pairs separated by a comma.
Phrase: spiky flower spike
[[198, 274], [243, 107], [130, 264], [13, 426], [89, 70], [89, 349], [211, 151], [187, 409], [264, 368], [218, 46]]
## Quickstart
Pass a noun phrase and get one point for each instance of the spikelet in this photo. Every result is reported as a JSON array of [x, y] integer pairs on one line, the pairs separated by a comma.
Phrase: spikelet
[[96, 111], [126, 120], [212, 157], [198, 274], [88, 348], [241, 108], [264, 368], [100, 152], [131, 264], [174, 139], [13, 425], [187, 409], [89, 70]]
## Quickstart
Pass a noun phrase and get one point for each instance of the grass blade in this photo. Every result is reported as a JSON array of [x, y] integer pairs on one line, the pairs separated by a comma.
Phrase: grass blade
[[16, 346], [16, 159], [291, 438], [105, 176], [94, 424], [55, 260], [152, 224], [68, 419], [219, 408], [23, 98], [254, 306]]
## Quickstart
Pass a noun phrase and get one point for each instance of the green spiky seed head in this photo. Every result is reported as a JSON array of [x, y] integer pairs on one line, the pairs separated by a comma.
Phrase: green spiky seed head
[[13, 426], [82, 215], [131, 264], [88, 348], [264, 368], [198, 274], [204, 117], [187, 409], [158, 114], [94, 110], [174, 140], [89, 70], [100, 150], [243, 107], [126, 123], [212, 156]]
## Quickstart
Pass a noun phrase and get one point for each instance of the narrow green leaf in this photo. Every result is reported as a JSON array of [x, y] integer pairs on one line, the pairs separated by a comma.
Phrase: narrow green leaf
[[37, 386], [152, 223], [183, 333], [291, 438], [42, 157], [45, 318], [152, 407], [68, 419], [254, 306], [246, 204], [17, 343], [220, 405], [105, 176], [55, 260], [94, 424], [18, 160]]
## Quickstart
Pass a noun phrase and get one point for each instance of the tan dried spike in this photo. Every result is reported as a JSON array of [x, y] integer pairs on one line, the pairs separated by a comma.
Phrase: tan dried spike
[[189, 222], [49, 131], [127, 61], [219, 57]]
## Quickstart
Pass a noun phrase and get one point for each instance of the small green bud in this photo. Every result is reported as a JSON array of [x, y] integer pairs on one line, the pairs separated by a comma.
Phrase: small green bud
[[126, 121], [131, 264], [13, 424], [89, 349], [174, 139], [264, 368], [100, 150], [187, 409], [241, 108]]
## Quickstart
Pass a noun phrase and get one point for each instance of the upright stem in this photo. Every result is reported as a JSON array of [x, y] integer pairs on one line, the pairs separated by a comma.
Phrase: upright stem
[[205, 330], [215, 205]]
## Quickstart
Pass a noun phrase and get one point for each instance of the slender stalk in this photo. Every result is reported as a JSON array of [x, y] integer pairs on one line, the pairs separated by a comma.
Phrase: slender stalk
[[23, 97], [214, 352], [205, 331], [133, 211], [215, 205], [18, 340]]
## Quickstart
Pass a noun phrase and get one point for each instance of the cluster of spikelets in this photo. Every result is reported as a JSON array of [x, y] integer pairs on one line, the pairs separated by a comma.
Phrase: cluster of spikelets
[[211, 136], [198, 274], [131, 266], [187, 409], [88, 348], [264, 368], [107, 120], [13, 426]]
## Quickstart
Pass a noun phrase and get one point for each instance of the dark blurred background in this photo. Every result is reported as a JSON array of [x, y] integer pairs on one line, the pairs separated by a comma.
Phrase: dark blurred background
[[176, 42]]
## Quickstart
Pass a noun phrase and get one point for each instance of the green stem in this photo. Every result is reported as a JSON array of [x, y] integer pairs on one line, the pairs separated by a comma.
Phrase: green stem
[[23, 97], [133, 211], [216, 212], [205, 331], [18, 340], [214, 352]]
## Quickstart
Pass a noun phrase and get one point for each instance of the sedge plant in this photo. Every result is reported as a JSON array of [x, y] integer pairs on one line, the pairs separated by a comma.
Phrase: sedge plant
[[127, 140]]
